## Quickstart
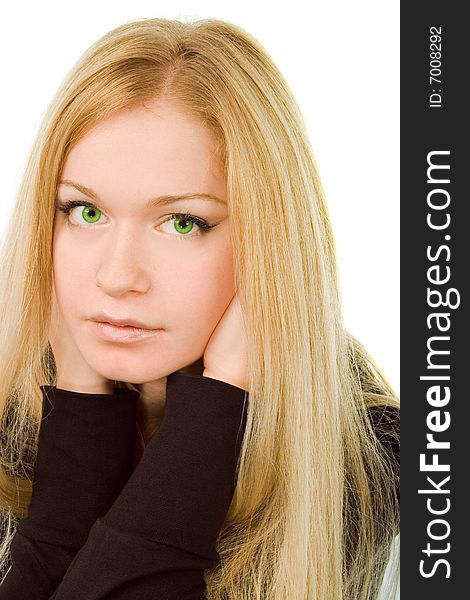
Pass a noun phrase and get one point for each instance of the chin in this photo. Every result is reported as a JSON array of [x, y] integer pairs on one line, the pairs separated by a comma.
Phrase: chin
[[138, 365], [137, 373], [121, 366]]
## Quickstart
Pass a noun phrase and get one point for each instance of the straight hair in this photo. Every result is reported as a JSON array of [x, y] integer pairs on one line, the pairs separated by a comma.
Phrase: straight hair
[[315, 510]]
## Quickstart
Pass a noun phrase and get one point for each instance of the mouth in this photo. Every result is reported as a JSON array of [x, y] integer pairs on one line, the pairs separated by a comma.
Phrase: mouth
[[111, 332], [124, 321]]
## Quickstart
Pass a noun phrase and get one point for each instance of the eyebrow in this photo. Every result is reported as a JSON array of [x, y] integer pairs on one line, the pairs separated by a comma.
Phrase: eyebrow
[[153, 202]]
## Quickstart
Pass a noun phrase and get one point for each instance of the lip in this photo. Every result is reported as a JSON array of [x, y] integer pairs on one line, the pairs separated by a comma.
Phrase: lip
[[122, 334], [104, 317]]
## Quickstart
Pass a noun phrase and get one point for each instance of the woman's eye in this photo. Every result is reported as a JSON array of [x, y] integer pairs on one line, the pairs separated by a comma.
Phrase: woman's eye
[[183, 225], [180, 225], [88, 212]]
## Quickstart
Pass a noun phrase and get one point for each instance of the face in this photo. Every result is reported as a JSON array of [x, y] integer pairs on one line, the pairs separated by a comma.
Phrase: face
[[122, 251]]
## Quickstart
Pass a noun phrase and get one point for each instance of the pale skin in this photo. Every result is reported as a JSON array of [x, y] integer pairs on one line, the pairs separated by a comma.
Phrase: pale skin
[[136, 261]]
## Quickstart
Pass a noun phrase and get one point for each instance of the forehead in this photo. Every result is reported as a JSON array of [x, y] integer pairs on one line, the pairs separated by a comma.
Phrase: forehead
[[155, 143], [160, 127]]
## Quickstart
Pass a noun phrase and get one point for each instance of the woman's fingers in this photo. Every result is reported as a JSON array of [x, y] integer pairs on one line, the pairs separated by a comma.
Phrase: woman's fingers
[[225, 356]]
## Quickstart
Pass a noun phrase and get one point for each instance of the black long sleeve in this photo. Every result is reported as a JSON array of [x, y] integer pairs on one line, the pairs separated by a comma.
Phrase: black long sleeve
[[159, 536], [153, 536], [84, 459]]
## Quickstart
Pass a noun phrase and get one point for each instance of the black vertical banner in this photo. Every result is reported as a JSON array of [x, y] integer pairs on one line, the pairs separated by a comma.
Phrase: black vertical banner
[[435, 257]]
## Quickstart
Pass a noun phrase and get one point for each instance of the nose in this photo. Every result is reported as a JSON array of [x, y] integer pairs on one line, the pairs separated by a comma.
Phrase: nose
[[121, 265]]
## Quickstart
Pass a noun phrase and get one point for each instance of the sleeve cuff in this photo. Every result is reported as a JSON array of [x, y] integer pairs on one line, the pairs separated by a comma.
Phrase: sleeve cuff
[[182, 488]]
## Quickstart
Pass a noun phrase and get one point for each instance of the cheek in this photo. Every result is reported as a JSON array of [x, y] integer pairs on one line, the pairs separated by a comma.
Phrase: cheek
[[72, 276], [201, 293]]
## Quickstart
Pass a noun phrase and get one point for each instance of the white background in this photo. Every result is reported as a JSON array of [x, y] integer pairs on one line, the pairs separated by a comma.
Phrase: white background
[[340, 58]]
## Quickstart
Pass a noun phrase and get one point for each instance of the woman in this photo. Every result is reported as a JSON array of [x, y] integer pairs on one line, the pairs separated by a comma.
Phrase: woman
[[247, 302]]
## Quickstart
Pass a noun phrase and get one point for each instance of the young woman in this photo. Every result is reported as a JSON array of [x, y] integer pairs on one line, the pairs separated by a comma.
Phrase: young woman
[[183, 412]]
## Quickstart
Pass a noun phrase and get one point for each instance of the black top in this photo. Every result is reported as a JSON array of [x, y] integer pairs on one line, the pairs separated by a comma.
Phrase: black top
[[105, 523]]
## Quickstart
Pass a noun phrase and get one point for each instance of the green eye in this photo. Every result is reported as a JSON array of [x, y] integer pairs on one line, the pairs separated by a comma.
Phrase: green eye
[[91, 214], [183, 223], [186, 227]]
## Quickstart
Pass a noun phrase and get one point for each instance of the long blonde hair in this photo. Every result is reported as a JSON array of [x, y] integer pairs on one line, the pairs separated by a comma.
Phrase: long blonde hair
[[315, 510]]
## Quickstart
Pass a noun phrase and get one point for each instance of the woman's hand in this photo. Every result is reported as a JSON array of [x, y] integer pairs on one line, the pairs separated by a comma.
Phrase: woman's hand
[[73, 372], [225, 356]]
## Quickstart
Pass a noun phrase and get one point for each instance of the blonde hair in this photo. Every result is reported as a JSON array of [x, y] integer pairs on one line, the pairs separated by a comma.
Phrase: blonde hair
[[315, 510]]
